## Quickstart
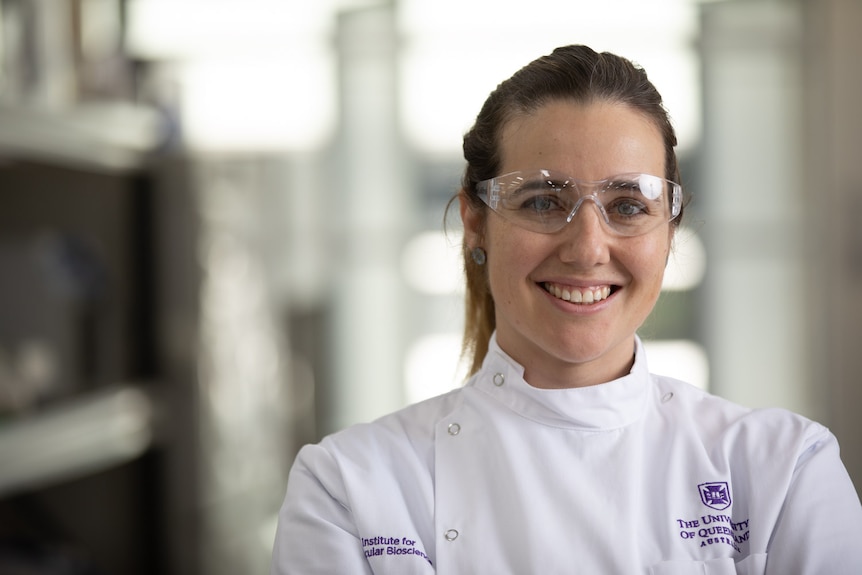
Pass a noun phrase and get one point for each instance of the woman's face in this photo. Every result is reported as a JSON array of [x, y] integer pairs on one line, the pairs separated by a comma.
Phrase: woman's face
[[560, 343]]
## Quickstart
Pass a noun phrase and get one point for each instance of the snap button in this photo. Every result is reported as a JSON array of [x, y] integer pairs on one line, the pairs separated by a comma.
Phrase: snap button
[[667, 397], [454, 429], [451, 535], [499, 379]]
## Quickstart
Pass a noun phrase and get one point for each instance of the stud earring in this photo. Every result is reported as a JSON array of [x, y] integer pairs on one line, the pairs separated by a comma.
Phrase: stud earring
[[478, 255]]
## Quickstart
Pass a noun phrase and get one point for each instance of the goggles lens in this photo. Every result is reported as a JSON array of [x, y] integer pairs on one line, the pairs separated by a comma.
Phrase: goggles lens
[[545, 201]]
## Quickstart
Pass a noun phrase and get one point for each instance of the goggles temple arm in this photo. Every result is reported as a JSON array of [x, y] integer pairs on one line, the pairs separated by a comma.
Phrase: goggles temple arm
[[676, 202], [492, 190]]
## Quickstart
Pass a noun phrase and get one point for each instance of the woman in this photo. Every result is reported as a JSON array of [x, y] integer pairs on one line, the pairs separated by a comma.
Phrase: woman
[[563, 454]]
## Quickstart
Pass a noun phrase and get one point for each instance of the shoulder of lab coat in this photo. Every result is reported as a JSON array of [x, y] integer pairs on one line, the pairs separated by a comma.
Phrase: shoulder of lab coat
[[318, 533], [819, 529], [789, 470]]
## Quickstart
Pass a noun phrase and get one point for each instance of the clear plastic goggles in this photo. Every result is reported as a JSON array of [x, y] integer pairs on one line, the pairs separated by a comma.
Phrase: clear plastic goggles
[[545, 201]]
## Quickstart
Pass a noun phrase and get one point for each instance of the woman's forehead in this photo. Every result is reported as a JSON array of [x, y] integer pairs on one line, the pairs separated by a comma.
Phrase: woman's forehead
[[593, 140]]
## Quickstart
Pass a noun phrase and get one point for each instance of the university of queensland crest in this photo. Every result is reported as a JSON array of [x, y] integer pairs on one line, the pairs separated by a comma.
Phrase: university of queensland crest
[[715, 495]]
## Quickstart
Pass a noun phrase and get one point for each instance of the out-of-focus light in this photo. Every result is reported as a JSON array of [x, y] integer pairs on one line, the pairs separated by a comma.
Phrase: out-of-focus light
[[681, 359], [433, 366], [73, 440], [263, 104], [431, 263], [687, 263], [252, 74], [444, 83], [191, 29]]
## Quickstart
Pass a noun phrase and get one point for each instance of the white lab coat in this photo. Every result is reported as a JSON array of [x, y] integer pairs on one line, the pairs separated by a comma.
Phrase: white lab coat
[[644, 474]]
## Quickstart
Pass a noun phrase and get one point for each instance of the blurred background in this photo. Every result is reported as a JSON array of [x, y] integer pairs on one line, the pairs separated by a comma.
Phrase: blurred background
[[222, 236]]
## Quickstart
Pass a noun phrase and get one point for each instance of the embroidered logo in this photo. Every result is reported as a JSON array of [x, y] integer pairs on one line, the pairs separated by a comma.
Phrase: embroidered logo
[[382, 546], [715, 495]]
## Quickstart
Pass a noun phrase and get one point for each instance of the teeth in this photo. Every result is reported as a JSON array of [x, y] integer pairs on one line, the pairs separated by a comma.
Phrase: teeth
[[577, 296]]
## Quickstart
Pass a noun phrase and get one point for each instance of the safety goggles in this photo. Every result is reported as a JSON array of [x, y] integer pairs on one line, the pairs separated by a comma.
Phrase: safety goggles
[[544, 201]]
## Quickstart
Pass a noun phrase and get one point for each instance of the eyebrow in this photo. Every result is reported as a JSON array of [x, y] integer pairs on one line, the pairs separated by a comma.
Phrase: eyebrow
[[539, 184], [617, 182]]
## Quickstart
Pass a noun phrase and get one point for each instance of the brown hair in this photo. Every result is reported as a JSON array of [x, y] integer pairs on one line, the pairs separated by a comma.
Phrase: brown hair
[[572, 73]]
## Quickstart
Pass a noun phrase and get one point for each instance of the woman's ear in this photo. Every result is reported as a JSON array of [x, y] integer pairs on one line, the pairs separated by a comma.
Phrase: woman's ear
[[472, 219]]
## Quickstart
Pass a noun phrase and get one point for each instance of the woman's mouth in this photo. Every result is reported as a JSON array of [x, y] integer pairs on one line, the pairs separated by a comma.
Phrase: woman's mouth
[[578, 295]]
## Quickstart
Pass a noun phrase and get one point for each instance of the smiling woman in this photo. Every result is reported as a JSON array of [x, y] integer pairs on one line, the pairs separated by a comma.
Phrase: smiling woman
[[563, 451], [583, 339]]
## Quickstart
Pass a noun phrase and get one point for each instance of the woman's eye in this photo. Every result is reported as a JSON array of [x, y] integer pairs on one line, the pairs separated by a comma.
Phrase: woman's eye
[[540, 203], [629, 208]]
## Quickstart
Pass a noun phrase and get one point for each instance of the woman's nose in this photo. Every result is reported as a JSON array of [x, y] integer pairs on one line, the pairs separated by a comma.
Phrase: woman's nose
[[584, 240]]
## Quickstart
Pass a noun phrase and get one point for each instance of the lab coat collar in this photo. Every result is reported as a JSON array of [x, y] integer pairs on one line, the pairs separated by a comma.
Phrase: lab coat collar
[[605, 406]]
